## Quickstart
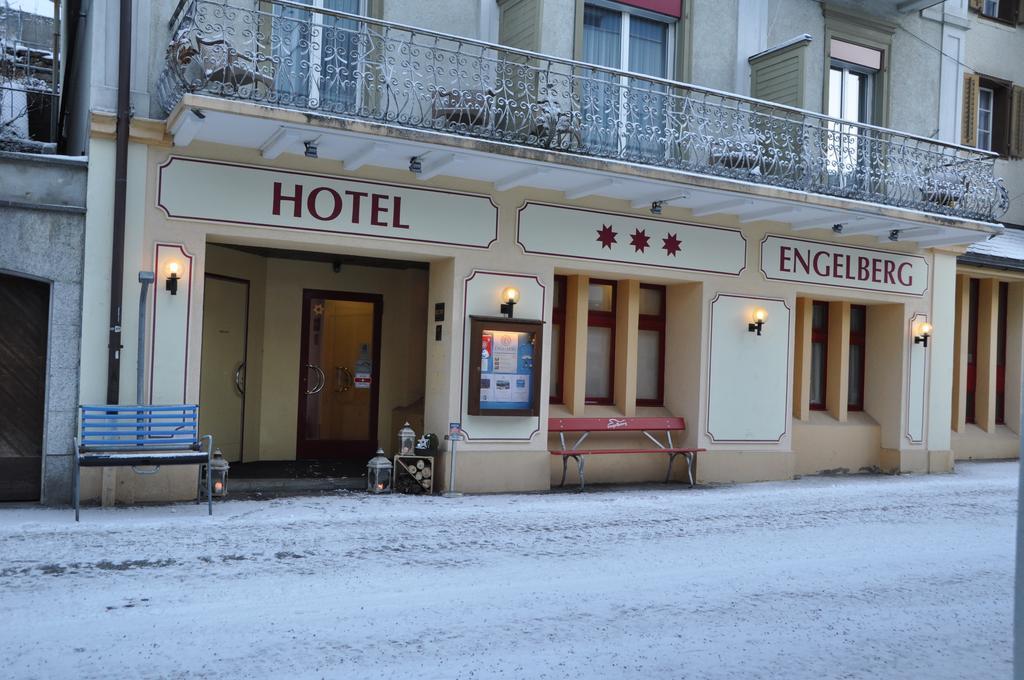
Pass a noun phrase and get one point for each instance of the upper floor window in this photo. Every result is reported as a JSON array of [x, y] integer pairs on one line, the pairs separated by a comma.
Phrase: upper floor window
[[993, 115], [851, 82], [1000, 10], [619, 36]]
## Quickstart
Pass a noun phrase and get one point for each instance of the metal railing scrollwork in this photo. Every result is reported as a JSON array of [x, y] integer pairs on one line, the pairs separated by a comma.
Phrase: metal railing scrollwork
[[287, 54]]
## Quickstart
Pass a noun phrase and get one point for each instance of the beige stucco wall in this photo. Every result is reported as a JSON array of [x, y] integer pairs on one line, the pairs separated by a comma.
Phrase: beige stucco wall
[[502, 463]]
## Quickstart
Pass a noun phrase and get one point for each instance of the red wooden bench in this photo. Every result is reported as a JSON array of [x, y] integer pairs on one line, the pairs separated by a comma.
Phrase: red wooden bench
[[584, 426]]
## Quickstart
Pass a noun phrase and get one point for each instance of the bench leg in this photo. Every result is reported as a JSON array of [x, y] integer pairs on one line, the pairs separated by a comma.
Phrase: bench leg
[[565, 466], [690, 459], [209, 474], [76, 480], [671, 459], [579, 465]]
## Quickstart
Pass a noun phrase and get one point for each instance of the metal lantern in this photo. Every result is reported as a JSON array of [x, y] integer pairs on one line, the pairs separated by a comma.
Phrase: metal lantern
[[218, 473], [378, 473], [406, 441]]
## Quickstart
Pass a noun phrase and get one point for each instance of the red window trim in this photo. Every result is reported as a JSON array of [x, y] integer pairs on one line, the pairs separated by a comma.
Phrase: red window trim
[[599, 319], [1003, 299], [973, 295], [558, 319], [656, 322], [819, 336], [857, 338]]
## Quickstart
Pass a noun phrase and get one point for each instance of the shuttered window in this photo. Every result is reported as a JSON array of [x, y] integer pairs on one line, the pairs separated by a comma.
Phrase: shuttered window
[[993, 115], [777, 75], [519, 24]]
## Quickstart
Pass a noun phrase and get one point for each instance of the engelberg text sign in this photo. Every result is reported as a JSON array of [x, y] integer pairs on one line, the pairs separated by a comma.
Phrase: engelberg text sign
[[828, 264], [214, 191]]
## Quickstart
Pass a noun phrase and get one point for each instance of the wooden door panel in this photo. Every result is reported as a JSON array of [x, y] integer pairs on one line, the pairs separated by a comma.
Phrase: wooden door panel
[[25, 312]]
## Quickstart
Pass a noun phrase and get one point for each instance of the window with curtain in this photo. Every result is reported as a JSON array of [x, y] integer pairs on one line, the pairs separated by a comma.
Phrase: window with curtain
[[819, 354], [623, 113], [650, 360], [558, 340], [316, 55], [855, 382], [600, 342], [852, 76]]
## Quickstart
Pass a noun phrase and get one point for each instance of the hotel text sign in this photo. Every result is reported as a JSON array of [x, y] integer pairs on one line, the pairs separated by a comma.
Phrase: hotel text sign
[[213, 191], [545, 229], [828, 264]]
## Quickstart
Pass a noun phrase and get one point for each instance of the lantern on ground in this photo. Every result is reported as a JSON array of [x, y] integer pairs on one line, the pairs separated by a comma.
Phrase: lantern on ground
[[406, 441], [218, 473], [378, 473]]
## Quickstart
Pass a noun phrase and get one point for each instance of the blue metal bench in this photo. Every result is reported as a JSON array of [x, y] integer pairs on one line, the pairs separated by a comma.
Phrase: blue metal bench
[[141, 436]]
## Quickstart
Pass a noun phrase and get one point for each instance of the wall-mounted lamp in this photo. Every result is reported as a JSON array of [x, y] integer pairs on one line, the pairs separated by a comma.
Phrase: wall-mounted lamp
[[311, 150], [656, 207], [509, 297], [924, 331], [172, 278], [837, 228], [415, 165], [894, 235], [759, 316]]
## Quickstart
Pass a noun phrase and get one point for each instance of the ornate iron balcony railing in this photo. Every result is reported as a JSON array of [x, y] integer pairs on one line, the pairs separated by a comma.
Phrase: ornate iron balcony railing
[[288, 54]]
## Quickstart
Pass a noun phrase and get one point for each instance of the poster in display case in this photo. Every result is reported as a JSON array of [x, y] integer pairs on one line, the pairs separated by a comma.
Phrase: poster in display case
[[504, 366]]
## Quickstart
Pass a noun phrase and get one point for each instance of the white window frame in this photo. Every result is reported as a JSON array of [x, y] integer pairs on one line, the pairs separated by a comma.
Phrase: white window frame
[[316, 49], [626, 11], [991, 111]]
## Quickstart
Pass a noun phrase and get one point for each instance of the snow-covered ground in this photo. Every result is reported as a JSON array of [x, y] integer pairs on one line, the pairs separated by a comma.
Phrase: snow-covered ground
[[860, 577]]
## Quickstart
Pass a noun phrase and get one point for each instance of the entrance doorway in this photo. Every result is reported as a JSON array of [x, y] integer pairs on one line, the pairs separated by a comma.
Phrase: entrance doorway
[[222, 375], [25, 310], [339, 376]]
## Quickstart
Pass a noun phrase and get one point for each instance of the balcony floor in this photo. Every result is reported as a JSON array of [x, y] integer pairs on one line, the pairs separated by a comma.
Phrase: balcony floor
[[355, 144]]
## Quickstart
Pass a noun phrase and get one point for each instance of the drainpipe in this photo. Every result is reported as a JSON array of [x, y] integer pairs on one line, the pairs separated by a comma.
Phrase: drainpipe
[[145, 278], [124, 71]]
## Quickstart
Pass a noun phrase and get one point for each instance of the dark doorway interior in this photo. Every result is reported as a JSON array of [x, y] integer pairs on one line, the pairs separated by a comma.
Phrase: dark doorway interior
[[24, 319]]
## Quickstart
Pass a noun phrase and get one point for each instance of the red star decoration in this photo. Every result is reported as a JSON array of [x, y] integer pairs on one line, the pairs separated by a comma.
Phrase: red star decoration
[[640, 240], [672, 244], [606, 235]]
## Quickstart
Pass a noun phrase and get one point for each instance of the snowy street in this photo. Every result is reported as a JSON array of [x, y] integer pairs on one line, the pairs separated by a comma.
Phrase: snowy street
[[855, 577]]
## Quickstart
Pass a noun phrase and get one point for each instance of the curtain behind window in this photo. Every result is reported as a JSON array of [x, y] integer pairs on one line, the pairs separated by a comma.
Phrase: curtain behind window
[[602, 45]]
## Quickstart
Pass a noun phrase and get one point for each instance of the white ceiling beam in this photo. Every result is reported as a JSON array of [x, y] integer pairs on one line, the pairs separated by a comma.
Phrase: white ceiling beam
[[816, 222], [726, 206], [278, 143], [663, 197], [519, 178], [915, 233], [188, 125], [589, 188], [863, 227], [962, 238], [361, 156], [434, 165], [775, 212]]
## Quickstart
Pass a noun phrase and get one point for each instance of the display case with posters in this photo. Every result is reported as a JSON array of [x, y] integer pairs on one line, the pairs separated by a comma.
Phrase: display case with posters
[[504, 366]]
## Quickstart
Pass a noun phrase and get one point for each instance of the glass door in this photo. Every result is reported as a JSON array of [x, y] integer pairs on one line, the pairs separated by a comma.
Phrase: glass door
[[338, 376]]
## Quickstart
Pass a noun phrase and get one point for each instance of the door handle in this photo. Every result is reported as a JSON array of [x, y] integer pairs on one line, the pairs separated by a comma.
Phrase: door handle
[[239, 379], [320, 380], [343, 379]]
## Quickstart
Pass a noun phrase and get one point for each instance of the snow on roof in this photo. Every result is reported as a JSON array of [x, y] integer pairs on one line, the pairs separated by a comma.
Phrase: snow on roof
[[1005, 250]]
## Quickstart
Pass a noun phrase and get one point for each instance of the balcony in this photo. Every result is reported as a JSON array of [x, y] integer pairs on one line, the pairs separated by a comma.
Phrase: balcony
[[286, 55]]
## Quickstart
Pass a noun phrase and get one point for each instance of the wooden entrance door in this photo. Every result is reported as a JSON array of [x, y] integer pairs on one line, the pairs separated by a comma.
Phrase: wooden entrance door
[[222, 376], [24, 320], [339, 376]]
